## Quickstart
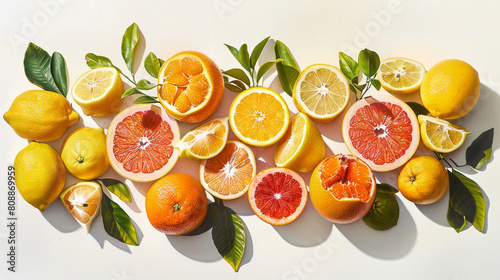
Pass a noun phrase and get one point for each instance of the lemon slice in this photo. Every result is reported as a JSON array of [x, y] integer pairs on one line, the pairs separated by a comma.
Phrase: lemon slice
[[205, 141], [302, 146], [400, 75], [322, 92], [83, 201], [99, 91], [440, 135]]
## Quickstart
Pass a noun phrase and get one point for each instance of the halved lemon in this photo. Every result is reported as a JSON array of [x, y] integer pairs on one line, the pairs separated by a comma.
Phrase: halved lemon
[[83, 201], [322, 92], [204, 141], [400, 75], [440, 135]]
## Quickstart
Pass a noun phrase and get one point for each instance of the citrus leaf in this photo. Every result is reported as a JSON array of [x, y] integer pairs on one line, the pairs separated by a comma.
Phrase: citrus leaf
[[257, 51], [369, 61], [152, 65], [131, 91], [476, 193], [455, 220], [376, 83], [288, 70], [129, 41], [58, 70], [146, 99], [386, 188], [265, 67], [37, 67], [234, 51], [348, 66], [118, 188], [117, 223], [223, 232], [237, 74], [235, 256], [213, 211], [145, 85], [96, 61], [161, 61], [418, 108], [479, 151], [244, 57], [233, 88], [238, 84]]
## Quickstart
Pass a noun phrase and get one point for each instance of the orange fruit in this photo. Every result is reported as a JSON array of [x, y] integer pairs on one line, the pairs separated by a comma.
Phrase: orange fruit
[[342, 188], [176, 204], [190, 86], [140, 143], [229, 174], [423, 180], [83, 201], [381, 130], [277, 195]]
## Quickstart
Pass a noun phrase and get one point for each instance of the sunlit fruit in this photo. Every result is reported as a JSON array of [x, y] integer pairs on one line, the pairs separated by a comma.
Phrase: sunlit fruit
[[83, 201], [400, 75]]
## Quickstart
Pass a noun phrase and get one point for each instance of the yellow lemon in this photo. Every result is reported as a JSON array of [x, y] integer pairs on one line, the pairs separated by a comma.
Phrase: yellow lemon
[[40, 115], [84, 153], [440, 135], [40, 174], [450, 89], [400, 75]]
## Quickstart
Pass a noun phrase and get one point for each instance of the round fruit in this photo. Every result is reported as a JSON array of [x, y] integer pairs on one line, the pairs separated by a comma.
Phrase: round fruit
[[400, 75], [259, 116], [83, 201], [40, 174], [191, 86], [342, 188], [277, 195], [322, 92], [441, 136], [302, 146], [84, 153], [99, 92], [176, 204], [423, 180], [384, 213], [450, 89], [229, 174], [381, 130], [40, 115], [140, 143]]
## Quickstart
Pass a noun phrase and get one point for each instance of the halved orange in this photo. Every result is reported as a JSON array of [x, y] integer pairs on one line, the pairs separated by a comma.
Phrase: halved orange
[[83, 201]]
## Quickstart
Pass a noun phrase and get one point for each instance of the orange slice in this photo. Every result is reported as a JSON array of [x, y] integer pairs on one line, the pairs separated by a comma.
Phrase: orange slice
[[83, 201]]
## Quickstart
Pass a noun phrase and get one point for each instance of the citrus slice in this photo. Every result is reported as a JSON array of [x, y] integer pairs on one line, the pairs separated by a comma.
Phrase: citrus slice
[[229, 174], [302, 146], [259, 116], [381, 130], [342, 188], [205, 141], [191, 86], [99, 91], [277, 195], [440, 135], [400, 75], [140, 143], [83, 201], [322, 92]]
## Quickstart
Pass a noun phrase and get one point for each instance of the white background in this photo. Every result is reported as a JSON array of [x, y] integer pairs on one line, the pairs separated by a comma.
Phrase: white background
[[51, 245]]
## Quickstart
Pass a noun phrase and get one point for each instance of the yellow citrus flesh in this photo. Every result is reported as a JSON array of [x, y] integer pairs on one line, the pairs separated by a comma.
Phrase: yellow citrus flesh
[[440, 135], [83, 201], [322, 92], [400, 75]]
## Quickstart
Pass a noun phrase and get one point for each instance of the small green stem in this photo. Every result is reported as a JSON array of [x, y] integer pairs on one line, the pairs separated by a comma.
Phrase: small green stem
[[133, 82], [177, 207]]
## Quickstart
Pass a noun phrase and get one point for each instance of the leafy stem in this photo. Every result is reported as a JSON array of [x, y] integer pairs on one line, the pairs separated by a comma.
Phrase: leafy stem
[[367, 67]]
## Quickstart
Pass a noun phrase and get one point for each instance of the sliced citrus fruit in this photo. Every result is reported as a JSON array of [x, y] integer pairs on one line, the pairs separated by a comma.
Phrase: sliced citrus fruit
[[98, 91], [400, 75], [229, 174], [440, 135], [259, 116], [191, 86], [83, 201], [322, 92], [342, 188], [277, 195], [140, 143], [205, 141], [381, 130], [302, 146]]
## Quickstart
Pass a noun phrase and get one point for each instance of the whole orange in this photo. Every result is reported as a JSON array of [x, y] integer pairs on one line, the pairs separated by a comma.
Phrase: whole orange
[[176, 204]]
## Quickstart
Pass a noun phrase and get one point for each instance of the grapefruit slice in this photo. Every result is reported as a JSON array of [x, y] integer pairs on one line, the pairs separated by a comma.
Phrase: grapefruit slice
[[342, 188], [83, 201], [277, 195], [381, 130], [140, 143]]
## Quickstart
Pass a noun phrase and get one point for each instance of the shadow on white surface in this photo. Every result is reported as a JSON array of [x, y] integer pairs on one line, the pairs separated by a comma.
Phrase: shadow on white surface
[[57, 215]]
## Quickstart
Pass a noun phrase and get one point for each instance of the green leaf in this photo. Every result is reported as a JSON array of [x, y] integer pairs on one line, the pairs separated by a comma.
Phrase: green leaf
[[418, 108], [360, 87], [224, 232], [265, 67], [37, 67], [118, 188], [58, 70], [152, 65], [146, 99], [238, 74], [244, 57], [476, 193], [131, 91], [288, 70], [129, 41], [145, 85], [233, 88], [386, 188], [235, 256], [348, 66], [96, 61], [161, 61], [455, 220], [376, 83], [369, 61], [117, 223], [213, 211], [238, 83], [257, 51], [234, 51], [479, 151]]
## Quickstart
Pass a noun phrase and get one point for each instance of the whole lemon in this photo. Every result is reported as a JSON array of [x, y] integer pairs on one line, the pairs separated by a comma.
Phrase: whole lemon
[[40, 115], [450, 89], [84, 153], [39, 174]]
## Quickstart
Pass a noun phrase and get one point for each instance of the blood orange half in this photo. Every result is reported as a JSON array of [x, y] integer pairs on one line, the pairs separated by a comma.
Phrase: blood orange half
[[381, 130], [277, 195], [140, 143]]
